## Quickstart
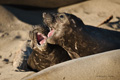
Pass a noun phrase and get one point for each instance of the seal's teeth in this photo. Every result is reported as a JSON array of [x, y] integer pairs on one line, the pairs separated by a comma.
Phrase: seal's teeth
[[38, 33], [44, 14], [50, 28]]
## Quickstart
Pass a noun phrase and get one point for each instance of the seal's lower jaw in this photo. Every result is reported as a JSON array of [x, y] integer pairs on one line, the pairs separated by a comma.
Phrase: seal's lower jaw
[[51, 33]]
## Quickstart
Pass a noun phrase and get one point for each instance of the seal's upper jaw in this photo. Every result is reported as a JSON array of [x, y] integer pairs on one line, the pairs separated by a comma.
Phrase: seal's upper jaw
[[48, 19]]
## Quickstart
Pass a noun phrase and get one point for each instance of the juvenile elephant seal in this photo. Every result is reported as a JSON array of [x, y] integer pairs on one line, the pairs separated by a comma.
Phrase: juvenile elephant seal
[[44, 54], [77, 39]]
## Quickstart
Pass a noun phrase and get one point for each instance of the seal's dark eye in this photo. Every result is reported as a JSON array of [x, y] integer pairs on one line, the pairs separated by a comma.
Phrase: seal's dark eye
[[61, 16]]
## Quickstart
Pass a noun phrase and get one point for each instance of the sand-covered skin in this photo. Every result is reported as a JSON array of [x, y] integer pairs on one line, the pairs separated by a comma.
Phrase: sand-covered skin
[[14, 32]]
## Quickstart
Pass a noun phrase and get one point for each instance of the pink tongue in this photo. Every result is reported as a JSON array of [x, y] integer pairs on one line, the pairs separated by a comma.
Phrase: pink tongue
[[39, 38], [50, 33]]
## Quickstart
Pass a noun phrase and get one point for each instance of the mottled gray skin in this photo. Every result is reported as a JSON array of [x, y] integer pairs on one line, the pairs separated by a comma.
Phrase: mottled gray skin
[[78, 39], [45, 55]]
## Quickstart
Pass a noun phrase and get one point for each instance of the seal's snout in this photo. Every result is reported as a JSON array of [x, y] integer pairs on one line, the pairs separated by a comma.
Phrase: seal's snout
[[48, 18], [47, 15]]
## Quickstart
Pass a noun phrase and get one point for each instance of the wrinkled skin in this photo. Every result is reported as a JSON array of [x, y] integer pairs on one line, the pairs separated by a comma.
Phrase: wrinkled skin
[[44, 55], [78, 39]]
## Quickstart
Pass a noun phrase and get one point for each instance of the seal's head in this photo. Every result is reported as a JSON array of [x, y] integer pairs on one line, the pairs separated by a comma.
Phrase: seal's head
[[65, 30], [38, 36], [69, 32], [61, 25]]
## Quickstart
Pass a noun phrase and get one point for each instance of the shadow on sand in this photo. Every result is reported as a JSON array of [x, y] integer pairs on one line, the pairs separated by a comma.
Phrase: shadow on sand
[[30, 15]]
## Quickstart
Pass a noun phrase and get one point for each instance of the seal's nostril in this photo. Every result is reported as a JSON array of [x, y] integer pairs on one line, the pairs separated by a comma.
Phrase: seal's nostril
[[47, 15]]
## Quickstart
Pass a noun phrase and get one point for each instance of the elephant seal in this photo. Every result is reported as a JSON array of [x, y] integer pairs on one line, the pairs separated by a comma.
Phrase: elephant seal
[[44, 54], [78, 39]]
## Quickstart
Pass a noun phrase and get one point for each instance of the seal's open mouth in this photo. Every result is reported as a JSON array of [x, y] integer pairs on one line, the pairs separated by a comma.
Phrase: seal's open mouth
[[48, 20], [41, 39]]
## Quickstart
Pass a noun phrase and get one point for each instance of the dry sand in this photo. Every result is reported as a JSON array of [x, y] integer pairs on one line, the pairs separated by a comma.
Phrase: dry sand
[[13, 43], [15, 25]]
